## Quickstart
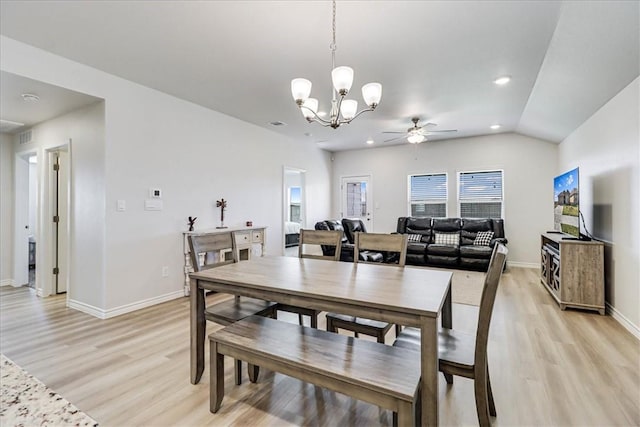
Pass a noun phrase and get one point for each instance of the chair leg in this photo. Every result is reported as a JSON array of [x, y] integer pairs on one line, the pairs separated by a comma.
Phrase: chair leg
[[482, 403], [330, 325], [254, 371], [398, 330], [314, 321], [216, 384], [492, 405], [300, 320], [448, 378], [380, 337], [237, 371]]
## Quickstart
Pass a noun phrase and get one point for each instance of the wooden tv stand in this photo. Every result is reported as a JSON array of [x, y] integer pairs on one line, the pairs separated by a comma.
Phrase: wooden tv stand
[[572, 270]]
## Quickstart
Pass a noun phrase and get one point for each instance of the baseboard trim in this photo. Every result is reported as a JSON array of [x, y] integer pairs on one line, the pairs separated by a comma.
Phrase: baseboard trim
[[128, 308], [7, 282], [517, 264], [620, 318]]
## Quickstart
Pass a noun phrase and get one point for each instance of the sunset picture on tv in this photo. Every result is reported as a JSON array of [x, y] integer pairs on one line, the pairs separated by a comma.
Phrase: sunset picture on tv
[[566, 203]]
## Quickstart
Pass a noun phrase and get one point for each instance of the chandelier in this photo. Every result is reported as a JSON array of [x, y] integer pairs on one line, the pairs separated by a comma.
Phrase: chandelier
[[342, 110]]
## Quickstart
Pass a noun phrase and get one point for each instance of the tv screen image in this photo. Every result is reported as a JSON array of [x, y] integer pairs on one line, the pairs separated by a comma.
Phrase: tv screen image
[[566, 206]]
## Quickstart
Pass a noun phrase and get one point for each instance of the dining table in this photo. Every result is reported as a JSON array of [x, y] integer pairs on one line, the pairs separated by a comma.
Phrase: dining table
[[407, 296]]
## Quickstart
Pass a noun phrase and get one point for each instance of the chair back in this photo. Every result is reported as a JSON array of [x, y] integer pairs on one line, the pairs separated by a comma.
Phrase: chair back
[[323, 238], [381, 242], [212, 246], [492, 278]]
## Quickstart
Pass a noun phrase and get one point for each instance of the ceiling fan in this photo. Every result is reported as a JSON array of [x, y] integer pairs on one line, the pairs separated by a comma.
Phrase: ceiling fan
[[417, 134]]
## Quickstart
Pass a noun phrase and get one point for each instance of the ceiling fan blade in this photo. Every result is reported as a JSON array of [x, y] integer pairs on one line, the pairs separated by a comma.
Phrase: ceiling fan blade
[[394, 139], [441, 131], [394, 131]]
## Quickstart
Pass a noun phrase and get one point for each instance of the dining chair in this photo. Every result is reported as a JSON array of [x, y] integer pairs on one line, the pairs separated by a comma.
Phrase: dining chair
[[314, 238], [393, 243], [465, 354], [213, 250]]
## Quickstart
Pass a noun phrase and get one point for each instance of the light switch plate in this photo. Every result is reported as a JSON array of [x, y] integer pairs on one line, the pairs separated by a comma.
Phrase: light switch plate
[[121, 205], [153, 205]]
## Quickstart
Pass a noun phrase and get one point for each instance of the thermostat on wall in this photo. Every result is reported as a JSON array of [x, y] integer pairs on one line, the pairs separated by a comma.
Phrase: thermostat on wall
[[156, 193]]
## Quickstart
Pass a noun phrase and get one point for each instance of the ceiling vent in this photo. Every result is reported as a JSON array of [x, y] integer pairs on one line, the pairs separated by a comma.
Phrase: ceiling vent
[[25, 137], [277, 123]]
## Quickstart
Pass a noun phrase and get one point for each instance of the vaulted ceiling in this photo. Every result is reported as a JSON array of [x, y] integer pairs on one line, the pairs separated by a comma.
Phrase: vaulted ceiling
[[436, 60]]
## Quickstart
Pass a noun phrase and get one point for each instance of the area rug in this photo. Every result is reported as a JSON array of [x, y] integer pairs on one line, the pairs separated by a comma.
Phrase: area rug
[[466, 287], [25, 401]]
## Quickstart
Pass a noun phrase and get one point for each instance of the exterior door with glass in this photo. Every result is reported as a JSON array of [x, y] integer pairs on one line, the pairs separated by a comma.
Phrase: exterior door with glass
[[356, 199]]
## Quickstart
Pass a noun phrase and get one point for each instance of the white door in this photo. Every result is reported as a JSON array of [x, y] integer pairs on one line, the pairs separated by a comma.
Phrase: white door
[[356, 199], [21, 222], [61, 227]]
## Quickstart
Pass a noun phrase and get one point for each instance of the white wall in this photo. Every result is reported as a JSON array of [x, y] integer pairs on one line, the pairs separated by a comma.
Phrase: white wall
[[529, 166], [6, 209], [606, 148], [195, 155]]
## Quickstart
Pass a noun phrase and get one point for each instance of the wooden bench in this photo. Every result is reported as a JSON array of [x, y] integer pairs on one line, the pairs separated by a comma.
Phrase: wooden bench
[[376, 373]]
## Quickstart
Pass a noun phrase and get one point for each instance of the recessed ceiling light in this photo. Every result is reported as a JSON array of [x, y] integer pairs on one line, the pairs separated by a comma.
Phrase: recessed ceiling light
[[370, 141], [30, 97], [494, 127], [503, 80]]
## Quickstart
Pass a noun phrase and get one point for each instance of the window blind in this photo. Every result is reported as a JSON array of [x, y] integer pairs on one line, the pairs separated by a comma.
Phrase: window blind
[[481, 185], [428, 187]]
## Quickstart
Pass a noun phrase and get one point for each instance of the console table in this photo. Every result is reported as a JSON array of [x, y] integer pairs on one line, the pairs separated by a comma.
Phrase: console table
[[250, 241], [573, 271]]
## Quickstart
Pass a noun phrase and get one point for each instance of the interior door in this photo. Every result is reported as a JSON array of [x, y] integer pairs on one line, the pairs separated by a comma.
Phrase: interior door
[[356, 199], [21, 222], [61, 221]]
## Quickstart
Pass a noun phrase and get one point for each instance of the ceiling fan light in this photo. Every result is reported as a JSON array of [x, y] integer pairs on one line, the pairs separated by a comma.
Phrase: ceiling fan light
[[342, 78], [300, 90], [372, 92], [348, 108], [415, 138], [311, 107]]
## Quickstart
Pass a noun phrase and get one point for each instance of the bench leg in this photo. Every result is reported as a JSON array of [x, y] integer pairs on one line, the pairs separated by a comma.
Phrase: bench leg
[[237, 371], [216, 383], [254, 371], [314, 321]]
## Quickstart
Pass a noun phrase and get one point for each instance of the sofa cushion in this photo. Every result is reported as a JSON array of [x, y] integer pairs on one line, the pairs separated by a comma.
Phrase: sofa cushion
[[446, 224], [483, 238], [472, 224], [421, 226], [471, 251], [351, 227], [444, 250], [447, 239], [416, 248]]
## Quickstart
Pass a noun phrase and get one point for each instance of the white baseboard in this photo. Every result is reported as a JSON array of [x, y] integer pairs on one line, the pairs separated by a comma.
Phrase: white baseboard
[[7, 282], [620, 318], [517, 264], [128, 308]]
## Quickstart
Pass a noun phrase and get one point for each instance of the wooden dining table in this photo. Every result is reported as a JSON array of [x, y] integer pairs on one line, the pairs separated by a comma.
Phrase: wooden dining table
[[410, 296]]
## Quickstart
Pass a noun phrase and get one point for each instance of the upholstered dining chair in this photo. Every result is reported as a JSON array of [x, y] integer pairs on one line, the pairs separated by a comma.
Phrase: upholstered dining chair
[[314, 238], [393, 243], [463, 354], [214, 247]]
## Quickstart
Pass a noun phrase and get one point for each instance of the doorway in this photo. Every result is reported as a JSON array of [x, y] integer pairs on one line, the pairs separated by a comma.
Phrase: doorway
[[356, 199], [25, 206], [59, 208], [294, 208]]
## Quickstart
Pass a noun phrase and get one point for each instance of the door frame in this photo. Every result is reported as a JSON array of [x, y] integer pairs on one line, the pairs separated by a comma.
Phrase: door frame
[[20, 245], [369, 221]]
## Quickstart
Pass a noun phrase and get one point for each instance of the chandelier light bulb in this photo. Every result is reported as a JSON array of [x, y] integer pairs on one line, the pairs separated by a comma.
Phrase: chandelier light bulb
[[300, 89], [311, 107], [348, 109], [342, 78], [372, 92]]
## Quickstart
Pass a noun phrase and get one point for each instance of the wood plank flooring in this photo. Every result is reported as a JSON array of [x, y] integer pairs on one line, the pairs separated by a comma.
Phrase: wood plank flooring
[[547, 367]]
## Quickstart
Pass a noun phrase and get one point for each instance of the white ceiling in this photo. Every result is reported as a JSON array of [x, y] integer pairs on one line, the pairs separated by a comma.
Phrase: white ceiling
[[435, 59]]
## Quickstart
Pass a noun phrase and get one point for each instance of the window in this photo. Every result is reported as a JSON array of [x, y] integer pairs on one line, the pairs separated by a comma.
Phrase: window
[[294, 204], [480, 194], [428, 195]]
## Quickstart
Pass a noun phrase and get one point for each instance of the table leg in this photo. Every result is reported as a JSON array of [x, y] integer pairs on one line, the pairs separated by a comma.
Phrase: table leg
[[429, 370], [447, 313], [197, 331]]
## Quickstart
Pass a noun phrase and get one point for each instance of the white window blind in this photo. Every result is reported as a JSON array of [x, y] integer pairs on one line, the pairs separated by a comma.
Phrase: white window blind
[[480, 194], [428, 195]]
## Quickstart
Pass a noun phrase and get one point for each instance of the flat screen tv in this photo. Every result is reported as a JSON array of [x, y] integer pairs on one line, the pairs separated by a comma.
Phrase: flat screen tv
[[566, 203]]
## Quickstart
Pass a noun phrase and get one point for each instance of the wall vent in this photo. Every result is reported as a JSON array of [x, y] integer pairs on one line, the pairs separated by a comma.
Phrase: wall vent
[[25, 137]]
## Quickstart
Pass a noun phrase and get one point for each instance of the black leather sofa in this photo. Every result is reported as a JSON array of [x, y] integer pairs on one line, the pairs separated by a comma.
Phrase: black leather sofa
[[460, 252], [346, 250], [350, 227]]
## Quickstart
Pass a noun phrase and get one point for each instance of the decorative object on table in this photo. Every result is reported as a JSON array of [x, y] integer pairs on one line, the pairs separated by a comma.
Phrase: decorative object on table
[[192, 221], [342, 110], [222, 204], [249, 223]]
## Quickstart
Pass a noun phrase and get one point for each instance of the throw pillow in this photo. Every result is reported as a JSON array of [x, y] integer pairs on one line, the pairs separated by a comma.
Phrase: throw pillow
[[483, 238], [414, 237], [447, 239]]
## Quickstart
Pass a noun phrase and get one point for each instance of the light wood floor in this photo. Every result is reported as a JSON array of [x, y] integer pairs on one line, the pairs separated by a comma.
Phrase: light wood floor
[[547, 367]]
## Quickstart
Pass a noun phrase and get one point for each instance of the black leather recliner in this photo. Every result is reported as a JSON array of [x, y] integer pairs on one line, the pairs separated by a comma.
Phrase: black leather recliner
[[346, 251], [349, 227]]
